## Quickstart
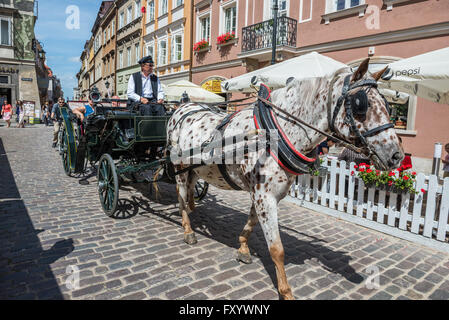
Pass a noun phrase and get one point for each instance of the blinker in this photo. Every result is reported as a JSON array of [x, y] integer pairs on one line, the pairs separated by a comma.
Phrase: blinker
[[359, 102]]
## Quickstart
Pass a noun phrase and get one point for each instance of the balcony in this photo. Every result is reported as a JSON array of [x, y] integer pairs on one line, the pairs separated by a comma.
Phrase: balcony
[[257, 39]]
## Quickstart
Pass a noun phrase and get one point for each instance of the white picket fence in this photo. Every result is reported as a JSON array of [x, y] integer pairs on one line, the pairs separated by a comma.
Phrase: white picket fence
[[425, 215]]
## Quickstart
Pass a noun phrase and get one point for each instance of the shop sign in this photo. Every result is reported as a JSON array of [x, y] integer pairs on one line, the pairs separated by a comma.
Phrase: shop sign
[[8, 70], [212, 86], [28, 107], [27, 79]]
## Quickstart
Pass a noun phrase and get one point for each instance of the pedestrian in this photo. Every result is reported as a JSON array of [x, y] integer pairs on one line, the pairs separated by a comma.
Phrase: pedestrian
[[446, 162], [17, 110], [323, 147], [46, 113], [7, 112], [21, 116], [57, 117]]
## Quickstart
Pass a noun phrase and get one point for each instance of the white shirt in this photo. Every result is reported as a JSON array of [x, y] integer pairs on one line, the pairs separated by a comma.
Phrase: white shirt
[[147, 90]]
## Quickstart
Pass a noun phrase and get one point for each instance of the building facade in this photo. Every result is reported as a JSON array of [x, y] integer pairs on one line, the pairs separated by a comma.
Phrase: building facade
[[109, 25], [19, 52], [167, 38], [129, 42], [345, 30]]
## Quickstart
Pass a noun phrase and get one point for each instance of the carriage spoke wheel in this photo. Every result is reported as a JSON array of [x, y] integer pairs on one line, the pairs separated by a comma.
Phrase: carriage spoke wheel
[[65, 154], [108, 184], [201, 188]]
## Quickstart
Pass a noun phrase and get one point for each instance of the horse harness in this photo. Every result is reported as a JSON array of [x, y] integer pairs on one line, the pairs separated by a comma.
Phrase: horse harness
[[287, 156]]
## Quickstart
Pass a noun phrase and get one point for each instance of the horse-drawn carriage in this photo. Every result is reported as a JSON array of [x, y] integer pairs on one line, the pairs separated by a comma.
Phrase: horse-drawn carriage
[[119, 140]]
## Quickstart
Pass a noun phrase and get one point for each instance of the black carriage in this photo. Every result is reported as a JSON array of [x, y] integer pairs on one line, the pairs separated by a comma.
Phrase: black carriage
[[118, 140]]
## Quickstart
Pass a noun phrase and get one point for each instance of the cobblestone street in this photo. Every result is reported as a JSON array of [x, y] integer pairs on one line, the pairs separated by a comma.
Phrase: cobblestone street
[[50, 221]]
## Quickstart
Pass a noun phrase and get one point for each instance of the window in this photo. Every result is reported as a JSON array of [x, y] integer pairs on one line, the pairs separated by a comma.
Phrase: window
[[129, 16], [176, 49], [163, 5], [5, 33], [137, 52], [151, 11], [162, 52], [282, 8], [121, 22], [105, 38], [138, 12], [128, 57], [120, 59], [230, 19], [205, 29], [150, 50], [113, 29], [177, 3], [337, 5], [4, 79]]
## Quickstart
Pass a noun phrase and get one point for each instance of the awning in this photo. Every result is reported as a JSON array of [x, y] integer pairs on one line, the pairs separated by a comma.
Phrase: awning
[[174, 91], [310, 65], [425, 75]]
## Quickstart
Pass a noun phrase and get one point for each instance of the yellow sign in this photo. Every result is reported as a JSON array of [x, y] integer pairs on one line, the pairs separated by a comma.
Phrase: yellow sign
[[212, 86]]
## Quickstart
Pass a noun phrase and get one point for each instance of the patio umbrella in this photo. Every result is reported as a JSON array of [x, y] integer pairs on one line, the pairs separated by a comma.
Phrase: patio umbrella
[[310, 65], [425, 75], [174, 91]]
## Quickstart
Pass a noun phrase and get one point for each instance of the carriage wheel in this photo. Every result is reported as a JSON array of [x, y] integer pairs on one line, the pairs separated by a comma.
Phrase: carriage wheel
[[108, 184], [201, 188], [65, 154]]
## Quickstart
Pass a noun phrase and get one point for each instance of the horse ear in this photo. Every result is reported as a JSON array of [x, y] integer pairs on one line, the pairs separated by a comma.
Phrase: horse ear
[[361, 70], [379, 74]]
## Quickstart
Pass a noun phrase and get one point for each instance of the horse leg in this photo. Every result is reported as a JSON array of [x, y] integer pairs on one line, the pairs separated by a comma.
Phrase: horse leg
[[185, 194], [243, 252], [266, 209]]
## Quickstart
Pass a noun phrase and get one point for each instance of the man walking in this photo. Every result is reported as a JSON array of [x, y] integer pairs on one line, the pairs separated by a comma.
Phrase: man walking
[[56, 115], [145, 87]]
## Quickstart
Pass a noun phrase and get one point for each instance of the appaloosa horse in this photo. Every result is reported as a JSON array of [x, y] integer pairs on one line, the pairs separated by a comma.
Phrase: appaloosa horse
[[356, 112]]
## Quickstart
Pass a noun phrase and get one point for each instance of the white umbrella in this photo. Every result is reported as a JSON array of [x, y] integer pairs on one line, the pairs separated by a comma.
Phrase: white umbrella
[[310, 65], [425, 75], [174, 91], [394, 96]]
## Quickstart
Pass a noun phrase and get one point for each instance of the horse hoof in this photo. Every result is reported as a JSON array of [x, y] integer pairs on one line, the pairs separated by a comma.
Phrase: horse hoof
[[245, 258], [190, 238]]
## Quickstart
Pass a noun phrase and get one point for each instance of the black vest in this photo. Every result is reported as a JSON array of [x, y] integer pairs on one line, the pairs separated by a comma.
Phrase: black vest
[[138, 84]]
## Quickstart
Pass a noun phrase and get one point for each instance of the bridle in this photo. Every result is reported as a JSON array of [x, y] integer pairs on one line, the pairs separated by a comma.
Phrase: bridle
[[356, 103]]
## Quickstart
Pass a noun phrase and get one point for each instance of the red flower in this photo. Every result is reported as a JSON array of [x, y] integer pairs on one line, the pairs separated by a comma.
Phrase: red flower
[[414, 173], [391, 174], [362, 170], [356, 166], [352, 173], [406, 178], [390, 183], [423, 191], [369, 171], [143, 9]]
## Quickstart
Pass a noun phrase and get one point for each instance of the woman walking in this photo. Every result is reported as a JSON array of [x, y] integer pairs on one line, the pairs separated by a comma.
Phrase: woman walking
[[7, 112], [46, 112]]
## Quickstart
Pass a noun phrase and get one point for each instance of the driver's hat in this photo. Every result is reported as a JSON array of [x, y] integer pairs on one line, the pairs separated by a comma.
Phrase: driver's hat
[[147, 59]]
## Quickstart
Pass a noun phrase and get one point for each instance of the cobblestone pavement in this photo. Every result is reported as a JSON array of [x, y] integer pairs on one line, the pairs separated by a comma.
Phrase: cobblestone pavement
[[50, 222]]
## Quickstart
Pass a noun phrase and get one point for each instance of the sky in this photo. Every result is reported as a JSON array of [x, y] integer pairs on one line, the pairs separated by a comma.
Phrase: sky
[[63, 38]]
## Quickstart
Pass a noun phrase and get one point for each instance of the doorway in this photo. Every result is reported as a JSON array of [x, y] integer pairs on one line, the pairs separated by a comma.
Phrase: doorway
[[5, 93]]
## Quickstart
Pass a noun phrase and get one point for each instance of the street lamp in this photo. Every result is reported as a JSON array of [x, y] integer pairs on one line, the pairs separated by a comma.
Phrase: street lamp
[[275, 22], [107, 84]]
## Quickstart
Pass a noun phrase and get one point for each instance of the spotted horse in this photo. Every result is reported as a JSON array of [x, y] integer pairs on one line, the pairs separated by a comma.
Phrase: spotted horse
[[347, 105]]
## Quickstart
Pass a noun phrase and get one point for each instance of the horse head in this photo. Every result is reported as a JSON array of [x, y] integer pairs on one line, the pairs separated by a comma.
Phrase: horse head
[[361, 116]]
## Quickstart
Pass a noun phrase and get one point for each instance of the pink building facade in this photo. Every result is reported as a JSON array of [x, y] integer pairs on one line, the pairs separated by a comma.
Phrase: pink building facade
[[345, 30]]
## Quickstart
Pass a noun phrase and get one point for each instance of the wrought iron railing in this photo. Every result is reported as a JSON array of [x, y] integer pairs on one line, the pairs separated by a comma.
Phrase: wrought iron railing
[[260, 35]]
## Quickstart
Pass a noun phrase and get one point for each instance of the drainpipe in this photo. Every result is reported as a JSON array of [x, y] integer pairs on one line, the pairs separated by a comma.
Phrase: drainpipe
[[192, 7], [275, 22]]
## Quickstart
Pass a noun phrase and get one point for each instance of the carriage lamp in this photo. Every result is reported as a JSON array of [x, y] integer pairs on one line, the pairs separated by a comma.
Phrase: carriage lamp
[[107, 84]]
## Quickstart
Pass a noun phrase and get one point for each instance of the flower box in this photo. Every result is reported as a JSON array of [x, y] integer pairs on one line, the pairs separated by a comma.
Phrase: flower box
[[201, 46], [225, 38], [234, 41]]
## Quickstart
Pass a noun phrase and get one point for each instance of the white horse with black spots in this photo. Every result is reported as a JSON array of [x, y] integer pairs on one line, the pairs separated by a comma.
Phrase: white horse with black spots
[[270, 181]]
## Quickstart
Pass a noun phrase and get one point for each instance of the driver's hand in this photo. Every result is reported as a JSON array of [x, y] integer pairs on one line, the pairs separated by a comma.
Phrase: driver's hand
[[161, 101], [144, 100]]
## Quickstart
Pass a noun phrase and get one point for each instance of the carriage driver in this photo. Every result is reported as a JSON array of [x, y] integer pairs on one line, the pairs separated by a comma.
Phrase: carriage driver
[[145, 87]]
